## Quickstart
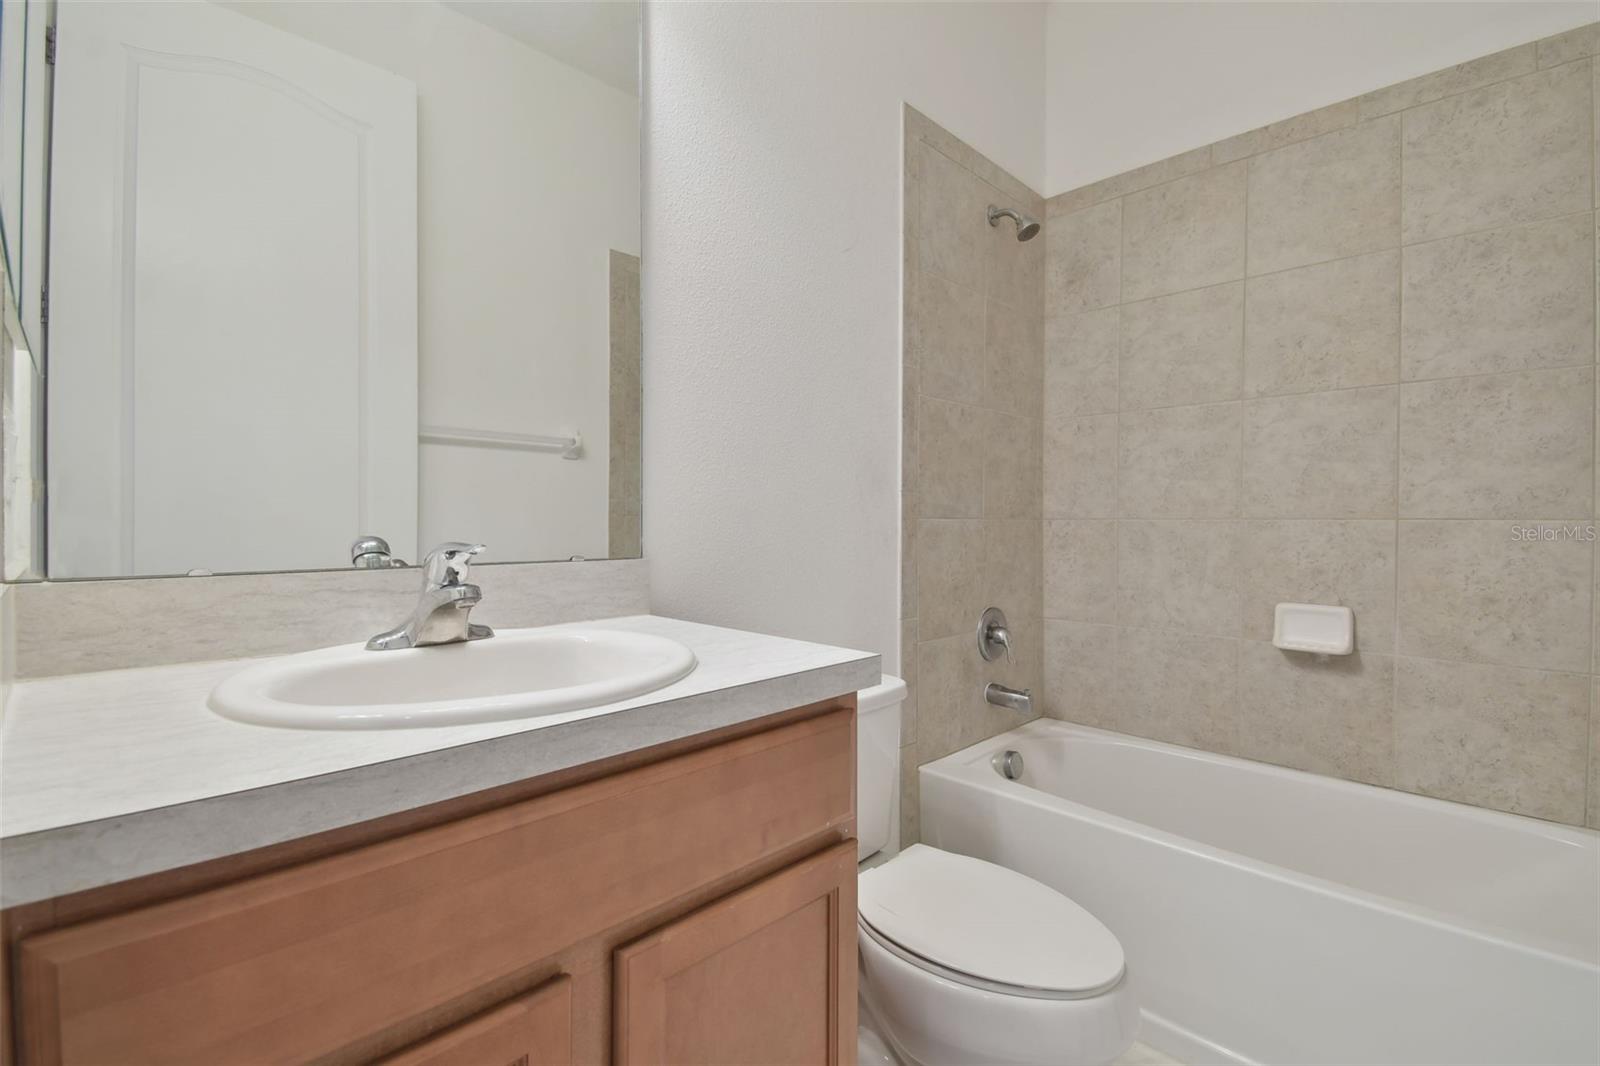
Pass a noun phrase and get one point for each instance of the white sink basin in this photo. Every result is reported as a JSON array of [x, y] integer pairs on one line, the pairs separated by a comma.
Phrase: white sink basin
[[517, 673]]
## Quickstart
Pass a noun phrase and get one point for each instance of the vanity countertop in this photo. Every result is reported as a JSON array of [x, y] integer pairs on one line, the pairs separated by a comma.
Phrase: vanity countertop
[[114, 775]]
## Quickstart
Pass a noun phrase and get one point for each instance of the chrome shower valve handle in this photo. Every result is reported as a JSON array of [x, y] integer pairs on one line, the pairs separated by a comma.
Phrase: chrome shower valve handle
[[994, 637]]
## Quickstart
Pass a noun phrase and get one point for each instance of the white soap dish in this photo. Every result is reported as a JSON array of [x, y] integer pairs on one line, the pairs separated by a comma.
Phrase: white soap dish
[[1314, 627]]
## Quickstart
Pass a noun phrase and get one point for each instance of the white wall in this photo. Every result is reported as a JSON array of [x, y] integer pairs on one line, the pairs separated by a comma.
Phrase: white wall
[[528, 175], [772, 291], [8, 646], [1132, 83]]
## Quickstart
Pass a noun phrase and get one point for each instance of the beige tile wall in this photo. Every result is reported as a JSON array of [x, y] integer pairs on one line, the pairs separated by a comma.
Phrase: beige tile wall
[[69, 627], [974, 373], [1338, 359], [625, 475]]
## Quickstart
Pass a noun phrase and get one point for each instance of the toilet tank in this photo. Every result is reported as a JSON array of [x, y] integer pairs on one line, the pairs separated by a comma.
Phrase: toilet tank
[[878, 763]]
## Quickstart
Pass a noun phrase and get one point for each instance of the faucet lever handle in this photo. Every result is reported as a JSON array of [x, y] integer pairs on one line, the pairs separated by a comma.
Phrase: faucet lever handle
[[994, 636], [447, 564]]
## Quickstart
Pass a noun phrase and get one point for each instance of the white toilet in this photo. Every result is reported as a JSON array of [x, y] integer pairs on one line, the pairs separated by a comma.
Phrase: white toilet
[[964, 962]]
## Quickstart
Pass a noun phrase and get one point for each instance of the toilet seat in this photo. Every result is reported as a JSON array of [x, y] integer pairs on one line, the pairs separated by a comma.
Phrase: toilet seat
[[987, 927], [968, 980]]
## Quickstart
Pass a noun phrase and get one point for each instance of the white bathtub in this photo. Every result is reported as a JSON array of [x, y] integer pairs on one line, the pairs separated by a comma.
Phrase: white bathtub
[[1280, 917]]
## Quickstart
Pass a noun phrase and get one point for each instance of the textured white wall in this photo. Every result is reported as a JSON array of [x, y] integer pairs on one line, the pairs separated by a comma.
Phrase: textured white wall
[[1131, 83], [771, 294]]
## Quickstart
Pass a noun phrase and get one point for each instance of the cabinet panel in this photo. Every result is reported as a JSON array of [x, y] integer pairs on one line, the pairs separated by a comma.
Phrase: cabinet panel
[[531, 1030], [321, 959], [766, 975]]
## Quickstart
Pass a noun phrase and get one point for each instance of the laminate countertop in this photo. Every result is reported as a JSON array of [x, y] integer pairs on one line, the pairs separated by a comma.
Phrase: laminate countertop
[[114, 775]]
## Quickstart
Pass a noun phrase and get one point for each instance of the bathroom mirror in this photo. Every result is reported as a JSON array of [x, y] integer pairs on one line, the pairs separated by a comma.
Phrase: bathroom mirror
[[325, 271]]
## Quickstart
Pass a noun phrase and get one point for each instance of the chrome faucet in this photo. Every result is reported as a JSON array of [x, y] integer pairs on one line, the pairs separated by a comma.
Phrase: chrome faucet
[[1012, 699], [372, 553], [441, 614]]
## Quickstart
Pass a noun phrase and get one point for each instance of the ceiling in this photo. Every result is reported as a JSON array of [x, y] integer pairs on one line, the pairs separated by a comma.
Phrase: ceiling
[[598, 37]]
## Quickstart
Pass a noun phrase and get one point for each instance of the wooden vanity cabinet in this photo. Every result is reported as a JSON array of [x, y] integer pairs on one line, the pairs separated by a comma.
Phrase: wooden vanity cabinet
[[697, 908]]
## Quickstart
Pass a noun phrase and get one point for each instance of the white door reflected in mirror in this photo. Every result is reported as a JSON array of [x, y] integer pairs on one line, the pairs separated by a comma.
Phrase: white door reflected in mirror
[[324, 271], [233, 364]]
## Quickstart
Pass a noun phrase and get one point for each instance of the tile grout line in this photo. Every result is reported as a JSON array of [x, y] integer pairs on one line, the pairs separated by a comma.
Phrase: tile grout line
[[1125, 193], [1399, 369], [1536, 69], [1247, 278], [912, 225], [1360, 120], [1267, 642], [1247, 167], [1394, 786], [1341, 388], [1591, 765], [1116, 470], [1481, 231], [932, 146]]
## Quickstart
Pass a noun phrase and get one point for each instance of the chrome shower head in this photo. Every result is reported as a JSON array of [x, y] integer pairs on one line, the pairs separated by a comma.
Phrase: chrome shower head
[[1027, 228]]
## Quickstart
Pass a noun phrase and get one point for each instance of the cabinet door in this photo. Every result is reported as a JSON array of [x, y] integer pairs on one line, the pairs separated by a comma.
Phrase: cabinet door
[[766, 975], [532, 1030]]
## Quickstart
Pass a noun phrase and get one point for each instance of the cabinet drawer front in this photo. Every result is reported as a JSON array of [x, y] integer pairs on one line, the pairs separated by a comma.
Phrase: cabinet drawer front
[[303, 962], [531, 1030]]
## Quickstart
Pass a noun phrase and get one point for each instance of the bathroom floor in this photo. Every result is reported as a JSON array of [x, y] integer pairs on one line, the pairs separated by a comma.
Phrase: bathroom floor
[[1140, 1055], [872, 1051]]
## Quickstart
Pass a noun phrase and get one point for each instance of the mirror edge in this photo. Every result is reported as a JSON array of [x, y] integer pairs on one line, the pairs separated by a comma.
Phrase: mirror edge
[[21, 451]]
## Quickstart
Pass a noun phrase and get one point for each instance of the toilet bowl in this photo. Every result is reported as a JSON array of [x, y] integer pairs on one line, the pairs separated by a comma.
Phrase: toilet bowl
[[964, 962]]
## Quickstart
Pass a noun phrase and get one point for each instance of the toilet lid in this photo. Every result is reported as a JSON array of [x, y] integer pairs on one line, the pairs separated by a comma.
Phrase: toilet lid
[[987, 921]]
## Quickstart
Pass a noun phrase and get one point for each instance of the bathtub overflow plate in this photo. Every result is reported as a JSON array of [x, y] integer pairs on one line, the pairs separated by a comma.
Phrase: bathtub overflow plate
[[1008, 764]]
